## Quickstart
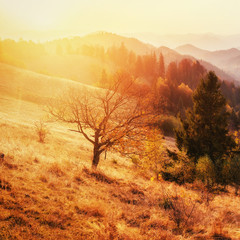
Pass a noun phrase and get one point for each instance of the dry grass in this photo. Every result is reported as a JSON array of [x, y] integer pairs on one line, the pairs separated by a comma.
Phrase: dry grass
[[48, 191], [32, 87]]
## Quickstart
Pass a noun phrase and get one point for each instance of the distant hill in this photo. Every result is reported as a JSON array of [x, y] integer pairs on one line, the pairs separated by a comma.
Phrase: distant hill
[[84, 58], [189, 49], [84, 69], [227, 60], [110, 39], [207, 41], [220, 73], [26, 85], [106, 40], [208, 55], [172, 55]]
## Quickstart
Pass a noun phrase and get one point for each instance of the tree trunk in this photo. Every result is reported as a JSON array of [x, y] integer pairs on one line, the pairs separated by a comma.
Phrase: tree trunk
[[96, 156]]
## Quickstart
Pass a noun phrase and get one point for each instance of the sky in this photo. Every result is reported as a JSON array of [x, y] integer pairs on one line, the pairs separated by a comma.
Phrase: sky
[[126, 16]]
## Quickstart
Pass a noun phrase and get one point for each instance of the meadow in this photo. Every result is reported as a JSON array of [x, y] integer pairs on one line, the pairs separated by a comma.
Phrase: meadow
[[49, 191]]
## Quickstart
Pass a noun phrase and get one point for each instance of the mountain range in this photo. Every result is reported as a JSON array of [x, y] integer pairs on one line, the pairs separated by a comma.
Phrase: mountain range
[[227, 60], [87, 68], [108, 39], [207, 41]]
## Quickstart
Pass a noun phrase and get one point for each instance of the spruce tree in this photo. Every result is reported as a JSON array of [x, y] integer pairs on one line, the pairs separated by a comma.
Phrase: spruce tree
[[205, 129], [161, 66]]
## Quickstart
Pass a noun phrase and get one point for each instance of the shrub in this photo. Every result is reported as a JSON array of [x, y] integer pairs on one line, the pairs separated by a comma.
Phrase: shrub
[[205, 170], [168, 125], [56, 170], [154, 150], [179, 169], [41, 130], [231, 173], [149, 152], [180, 208]]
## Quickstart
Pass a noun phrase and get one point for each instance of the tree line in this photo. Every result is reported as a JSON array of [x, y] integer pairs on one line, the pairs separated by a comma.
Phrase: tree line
[[174, 82]]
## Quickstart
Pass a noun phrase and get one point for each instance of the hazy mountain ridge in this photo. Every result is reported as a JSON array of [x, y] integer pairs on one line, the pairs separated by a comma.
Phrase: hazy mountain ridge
[[210, 55], [171, 55], [227, 60], [109, 39], [70, 62], [207, 41]]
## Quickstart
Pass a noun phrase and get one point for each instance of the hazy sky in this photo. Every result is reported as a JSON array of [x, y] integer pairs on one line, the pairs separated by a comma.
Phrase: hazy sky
[[123, 16]]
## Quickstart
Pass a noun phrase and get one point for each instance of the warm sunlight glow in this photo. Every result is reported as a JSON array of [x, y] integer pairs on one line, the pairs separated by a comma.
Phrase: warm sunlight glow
[[80, 17], [119, 119], [41, 22], [34, 15]]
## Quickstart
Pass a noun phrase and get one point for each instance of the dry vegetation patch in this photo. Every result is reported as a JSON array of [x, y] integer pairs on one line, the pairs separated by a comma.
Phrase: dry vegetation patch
[[48, 191], [5, 185], [99, 176]]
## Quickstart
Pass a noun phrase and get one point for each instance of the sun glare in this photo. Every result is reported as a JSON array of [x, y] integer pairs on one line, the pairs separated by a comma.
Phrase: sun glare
[[35, 15], [40, 21]]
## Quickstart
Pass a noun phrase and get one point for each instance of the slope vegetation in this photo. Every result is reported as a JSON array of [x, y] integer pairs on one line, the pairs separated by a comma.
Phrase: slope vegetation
[[26, 85], [84, 58], [49, 192]]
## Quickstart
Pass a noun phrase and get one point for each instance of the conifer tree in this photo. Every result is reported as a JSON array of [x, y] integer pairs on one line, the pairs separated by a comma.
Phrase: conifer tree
[[161, 66], [205, 129]]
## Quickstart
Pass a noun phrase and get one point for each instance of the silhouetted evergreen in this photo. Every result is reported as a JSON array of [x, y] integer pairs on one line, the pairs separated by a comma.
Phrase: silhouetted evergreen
[[205, 129], [161, 66]]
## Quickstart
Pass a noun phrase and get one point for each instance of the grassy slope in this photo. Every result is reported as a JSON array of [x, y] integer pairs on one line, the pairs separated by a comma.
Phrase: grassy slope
[[29, 86], [80, 68], [48, 191]]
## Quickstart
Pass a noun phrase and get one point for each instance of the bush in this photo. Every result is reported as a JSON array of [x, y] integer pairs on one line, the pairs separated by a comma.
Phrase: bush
[[179, 169], [168, 125], [180, 208], [41, 130], [206, 171], [231, 173]]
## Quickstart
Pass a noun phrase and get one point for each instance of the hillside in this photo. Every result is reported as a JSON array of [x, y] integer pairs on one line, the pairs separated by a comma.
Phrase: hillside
[[192, 50], [24, 93], [109, 39], [48, 191], [79, 68], [84, 58], [223, 59], [171, 55], [29, 86], [105, 40], [209, 41], [223, 75]]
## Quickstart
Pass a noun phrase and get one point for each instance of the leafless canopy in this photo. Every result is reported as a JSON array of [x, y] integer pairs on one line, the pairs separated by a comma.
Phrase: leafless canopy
[[103, 116]]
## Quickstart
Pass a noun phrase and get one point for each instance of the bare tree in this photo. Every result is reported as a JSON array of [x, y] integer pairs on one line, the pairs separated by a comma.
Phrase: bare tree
[[103, 116]]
